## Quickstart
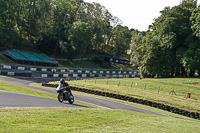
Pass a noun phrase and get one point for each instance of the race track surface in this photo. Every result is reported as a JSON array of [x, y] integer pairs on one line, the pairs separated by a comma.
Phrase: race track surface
[[38, 102], [9, 99]]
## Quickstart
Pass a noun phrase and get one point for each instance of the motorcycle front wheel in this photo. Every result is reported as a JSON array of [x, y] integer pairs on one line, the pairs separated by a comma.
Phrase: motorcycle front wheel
[[60, 97], [71, 99]]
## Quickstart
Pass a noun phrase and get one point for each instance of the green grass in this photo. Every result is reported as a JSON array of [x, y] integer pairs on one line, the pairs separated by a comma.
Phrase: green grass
[[87, 120], [78, 64], [5, 60], [90, 120], [23, 90], [126, 102], [151, 92], [89, 64]]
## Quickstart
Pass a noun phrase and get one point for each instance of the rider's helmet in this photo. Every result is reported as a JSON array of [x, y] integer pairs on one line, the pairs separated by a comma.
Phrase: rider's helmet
[[62, 81]]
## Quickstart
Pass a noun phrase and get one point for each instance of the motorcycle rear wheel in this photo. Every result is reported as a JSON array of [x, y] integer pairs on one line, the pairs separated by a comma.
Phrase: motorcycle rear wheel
[[60, 97]]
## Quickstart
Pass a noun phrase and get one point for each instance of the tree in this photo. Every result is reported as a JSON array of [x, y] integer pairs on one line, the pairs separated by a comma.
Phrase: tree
[[121, 40], [136, 48], [166, 42], [98, 17], [195, 20], [191, 56], [80, 37], [59, 26]]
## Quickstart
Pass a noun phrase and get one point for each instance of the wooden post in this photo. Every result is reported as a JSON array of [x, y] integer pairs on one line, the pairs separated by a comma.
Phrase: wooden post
[[173, 92], [118, 82], [131, 84], [158, 88]]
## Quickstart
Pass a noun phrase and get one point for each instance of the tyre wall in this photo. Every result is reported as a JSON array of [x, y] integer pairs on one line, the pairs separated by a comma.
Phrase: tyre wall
[[194, 115]]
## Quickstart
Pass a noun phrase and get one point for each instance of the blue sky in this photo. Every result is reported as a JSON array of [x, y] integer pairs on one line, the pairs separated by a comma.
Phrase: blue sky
[[137, 14]]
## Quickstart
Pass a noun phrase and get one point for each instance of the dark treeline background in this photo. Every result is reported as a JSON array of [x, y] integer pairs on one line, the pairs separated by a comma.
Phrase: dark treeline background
[[64, 28], [73, 28], [171, 46]]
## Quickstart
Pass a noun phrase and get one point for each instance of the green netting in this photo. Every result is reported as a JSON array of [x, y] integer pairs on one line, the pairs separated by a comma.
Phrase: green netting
[[17, 55], [31, 57], [45, 58]]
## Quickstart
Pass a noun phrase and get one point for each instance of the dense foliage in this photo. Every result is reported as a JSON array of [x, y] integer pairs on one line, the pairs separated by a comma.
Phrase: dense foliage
[[171, 47], [68, 28], [73, 28]]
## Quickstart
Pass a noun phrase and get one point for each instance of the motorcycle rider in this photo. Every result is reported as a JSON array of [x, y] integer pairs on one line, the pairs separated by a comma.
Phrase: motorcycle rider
[[65, 85]]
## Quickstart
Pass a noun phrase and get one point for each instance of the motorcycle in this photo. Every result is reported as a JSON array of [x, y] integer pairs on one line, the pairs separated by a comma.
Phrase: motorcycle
[[64, 94]]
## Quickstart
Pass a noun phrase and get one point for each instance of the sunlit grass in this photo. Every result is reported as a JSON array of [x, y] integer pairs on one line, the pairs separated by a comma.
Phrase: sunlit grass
[[23, 90], [156, 90], [90, 120]]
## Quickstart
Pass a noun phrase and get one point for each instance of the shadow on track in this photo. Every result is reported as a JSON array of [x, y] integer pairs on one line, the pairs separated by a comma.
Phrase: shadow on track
[[78, 105]]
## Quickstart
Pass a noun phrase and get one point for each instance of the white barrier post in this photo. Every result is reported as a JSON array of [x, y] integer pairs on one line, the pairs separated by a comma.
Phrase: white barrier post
[[44, 75], [11, 73]]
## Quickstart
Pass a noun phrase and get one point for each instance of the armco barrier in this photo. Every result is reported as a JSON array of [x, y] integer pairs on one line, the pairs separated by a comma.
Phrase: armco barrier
[[194, 115], [23, 74], [75, 75], [71, 70]]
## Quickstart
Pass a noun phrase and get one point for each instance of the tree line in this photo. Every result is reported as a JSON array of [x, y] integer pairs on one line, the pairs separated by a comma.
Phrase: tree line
[[171, 46], [73, 28], [65, 28]]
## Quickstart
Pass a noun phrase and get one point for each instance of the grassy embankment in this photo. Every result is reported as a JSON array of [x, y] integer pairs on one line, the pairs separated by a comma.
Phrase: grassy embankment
[[5, 60], [156, 90], [85, 120], [74, 64]]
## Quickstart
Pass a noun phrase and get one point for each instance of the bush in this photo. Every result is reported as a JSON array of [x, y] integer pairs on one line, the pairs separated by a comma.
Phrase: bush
[[97, 61]]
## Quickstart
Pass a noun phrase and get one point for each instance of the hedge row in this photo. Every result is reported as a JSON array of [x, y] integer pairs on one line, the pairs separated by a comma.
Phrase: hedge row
[[194, 115]]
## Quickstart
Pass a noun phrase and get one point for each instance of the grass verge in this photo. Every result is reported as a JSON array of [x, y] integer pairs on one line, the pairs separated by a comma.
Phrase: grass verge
[[129, 103], [151, 91], [89, 120], [23, 90]]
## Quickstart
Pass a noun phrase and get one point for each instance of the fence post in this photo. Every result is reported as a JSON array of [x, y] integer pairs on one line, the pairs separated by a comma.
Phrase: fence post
[[118, 82], [173, 92]]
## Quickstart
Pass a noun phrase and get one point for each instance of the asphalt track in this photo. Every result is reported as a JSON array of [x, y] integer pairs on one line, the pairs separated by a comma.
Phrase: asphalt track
[[8, 99]]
